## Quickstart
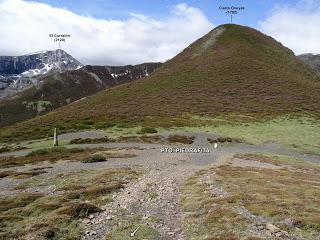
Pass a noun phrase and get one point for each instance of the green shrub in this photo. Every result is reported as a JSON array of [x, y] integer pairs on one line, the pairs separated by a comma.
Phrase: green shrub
[[145, 130], [122, 125], [79, 210], [95, 158], [90, 140], [75, 150], [180, 139], [19, 201], [4, 149], [45, 151], [80, 126], [88, 122], [103, 125], [39, 152]]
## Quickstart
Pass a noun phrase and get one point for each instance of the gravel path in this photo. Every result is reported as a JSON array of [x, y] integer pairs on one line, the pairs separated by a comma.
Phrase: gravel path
[[156, 195]]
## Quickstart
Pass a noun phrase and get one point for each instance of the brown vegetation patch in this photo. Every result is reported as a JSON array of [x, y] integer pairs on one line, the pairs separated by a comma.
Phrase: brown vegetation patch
[[79, 210], [224, 140], [50, 155], [91, 140], [180, 139]]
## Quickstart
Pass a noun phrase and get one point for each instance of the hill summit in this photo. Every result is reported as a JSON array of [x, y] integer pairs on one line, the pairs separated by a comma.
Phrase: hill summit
[[232, 69]]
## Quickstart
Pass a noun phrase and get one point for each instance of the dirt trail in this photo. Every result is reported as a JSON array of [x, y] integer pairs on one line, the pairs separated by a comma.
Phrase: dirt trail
[[155, 196]]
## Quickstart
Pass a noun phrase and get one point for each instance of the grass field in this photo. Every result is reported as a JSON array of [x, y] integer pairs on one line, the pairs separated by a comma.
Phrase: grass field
[[45, 216], [233, 202], [302, 134]]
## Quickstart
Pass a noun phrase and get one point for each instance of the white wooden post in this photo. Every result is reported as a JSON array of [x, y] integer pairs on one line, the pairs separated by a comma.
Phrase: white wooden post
[[55, 138]]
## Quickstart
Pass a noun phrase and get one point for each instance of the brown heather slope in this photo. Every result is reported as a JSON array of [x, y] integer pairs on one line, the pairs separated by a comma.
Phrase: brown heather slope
[[241, 71], [59, 89]]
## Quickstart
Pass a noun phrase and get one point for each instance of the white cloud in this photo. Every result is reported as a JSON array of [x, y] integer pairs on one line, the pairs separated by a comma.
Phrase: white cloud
[[295, 26], [25, 26]]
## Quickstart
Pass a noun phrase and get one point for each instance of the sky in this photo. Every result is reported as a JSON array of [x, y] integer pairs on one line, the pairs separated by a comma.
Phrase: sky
[[120, 32]]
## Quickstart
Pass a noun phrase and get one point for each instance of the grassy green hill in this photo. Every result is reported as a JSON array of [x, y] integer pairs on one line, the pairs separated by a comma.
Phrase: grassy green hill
[[231, 70]]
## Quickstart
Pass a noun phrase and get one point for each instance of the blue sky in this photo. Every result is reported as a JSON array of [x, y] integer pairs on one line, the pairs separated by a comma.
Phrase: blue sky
[[256, 10], [118, 32]]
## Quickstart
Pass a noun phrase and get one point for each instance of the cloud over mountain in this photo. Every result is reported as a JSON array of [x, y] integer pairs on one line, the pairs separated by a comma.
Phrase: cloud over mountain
[[26, 25], [296, 26]]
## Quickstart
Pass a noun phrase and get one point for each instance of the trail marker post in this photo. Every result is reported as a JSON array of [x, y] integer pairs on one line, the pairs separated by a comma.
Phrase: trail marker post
[[55, 138]]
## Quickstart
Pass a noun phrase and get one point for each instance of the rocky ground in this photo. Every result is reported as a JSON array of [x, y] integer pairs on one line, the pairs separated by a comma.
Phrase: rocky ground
[[155, 198]]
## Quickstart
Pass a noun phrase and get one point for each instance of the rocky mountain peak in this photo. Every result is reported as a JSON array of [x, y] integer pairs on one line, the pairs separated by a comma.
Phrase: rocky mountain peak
[[18, 73]]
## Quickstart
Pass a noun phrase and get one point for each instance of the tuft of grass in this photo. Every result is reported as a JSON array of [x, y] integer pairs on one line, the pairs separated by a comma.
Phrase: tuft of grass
[[56, 154], [19, 175], [95, 158], [79, 210], [143, 138], [4, 149], [91, 140], [146, 130], [17, 202], [47, 151], [180, 139], [11, 148], [103, 125], [4, 174], [224, 140], [47, 154]]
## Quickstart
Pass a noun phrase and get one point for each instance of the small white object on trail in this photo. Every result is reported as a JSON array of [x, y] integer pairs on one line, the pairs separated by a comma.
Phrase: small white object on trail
[[134, 232], [215, 145]]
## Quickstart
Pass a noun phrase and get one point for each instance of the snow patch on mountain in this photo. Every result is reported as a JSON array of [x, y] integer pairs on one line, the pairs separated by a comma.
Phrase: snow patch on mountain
[[18, 73]]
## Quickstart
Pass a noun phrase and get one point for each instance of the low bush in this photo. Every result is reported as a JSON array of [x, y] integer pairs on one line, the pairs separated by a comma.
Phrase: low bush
[[38, 152], [19, 201], [180, 139], [90, 140], [145, 130], [95, 158], [224, 140], [4, 149], [79, 210], [46, 151], [103, 125]]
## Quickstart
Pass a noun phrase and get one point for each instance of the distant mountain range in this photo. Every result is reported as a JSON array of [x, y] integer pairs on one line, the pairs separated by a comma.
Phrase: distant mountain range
[[52, 79], [312, 59], [18, 73]]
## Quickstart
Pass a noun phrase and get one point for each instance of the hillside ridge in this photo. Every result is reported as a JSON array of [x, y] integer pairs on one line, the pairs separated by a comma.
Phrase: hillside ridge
[[243, 72], [59, 89]]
